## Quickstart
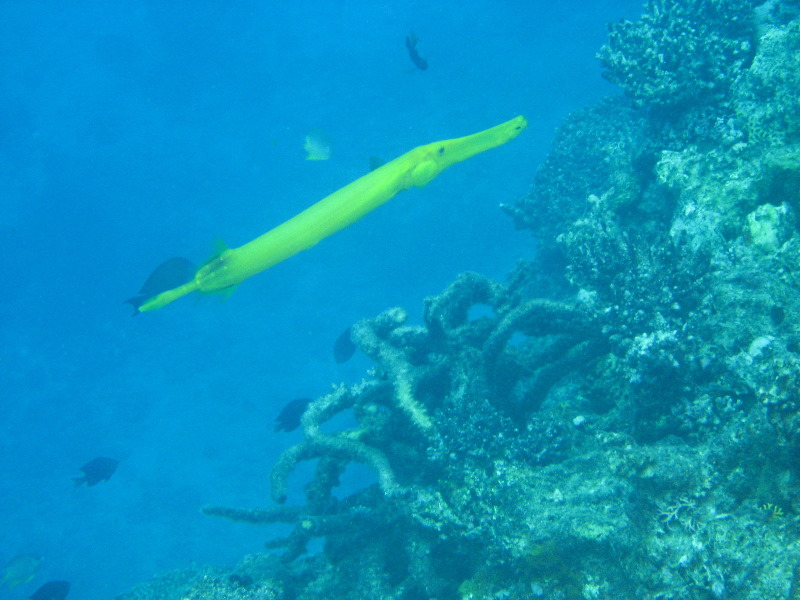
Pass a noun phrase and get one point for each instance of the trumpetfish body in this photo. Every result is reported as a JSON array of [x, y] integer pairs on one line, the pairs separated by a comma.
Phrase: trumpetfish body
[[344, 207]]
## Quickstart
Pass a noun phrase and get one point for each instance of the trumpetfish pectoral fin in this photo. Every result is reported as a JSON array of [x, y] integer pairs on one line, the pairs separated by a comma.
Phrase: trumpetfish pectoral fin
[[344, 207]]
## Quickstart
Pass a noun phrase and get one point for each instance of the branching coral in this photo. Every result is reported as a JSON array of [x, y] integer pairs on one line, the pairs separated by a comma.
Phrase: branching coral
[[339, 447], [383, 339], [412, 430]]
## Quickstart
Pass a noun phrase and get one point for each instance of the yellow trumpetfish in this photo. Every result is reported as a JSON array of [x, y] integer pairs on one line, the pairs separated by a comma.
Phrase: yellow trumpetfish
[[342, 208]]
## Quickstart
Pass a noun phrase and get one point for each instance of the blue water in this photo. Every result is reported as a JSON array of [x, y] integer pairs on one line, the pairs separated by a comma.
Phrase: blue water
[[133, 131]]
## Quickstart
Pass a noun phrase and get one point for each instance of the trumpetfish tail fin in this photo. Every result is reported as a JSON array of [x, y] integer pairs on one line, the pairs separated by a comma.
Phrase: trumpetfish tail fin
[[164, 298], [416, 168]]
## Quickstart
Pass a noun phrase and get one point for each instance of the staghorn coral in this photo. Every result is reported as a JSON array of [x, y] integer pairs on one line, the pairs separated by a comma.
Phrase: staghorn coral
[[434, 497], [373, 337], [341, 448]]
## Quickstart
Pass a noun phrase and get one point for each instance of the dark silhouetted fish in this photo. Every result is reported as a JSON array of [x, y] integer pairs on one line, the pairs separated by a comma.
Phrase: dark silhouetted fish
[[97, 470], [289, 417], [171, 273], [411, 46], [52, 590], [343, 347]]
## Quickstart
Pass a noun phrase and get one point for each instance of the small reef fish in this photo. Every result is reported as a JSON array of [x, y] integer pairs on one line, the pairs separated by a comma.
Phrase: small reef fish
[[20, 569], [416, 168], [96, 470], [413, 54], [317, 146], [289, 417], [52, 590], [169, 274], [343, 347]]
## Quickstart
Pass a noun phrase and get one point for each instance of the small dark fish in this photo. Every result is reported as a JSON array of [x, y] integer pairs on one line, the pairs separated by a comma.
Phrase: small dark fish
[[52, 590], [411, 46], [171, 273], [97, 470], [343, 347], [289, 417]]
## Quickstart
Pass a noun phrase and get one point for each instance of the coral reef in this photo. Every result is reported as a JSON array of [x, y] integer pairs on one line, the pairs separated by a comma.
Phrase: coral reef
[[621, 417], [681, 52]]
